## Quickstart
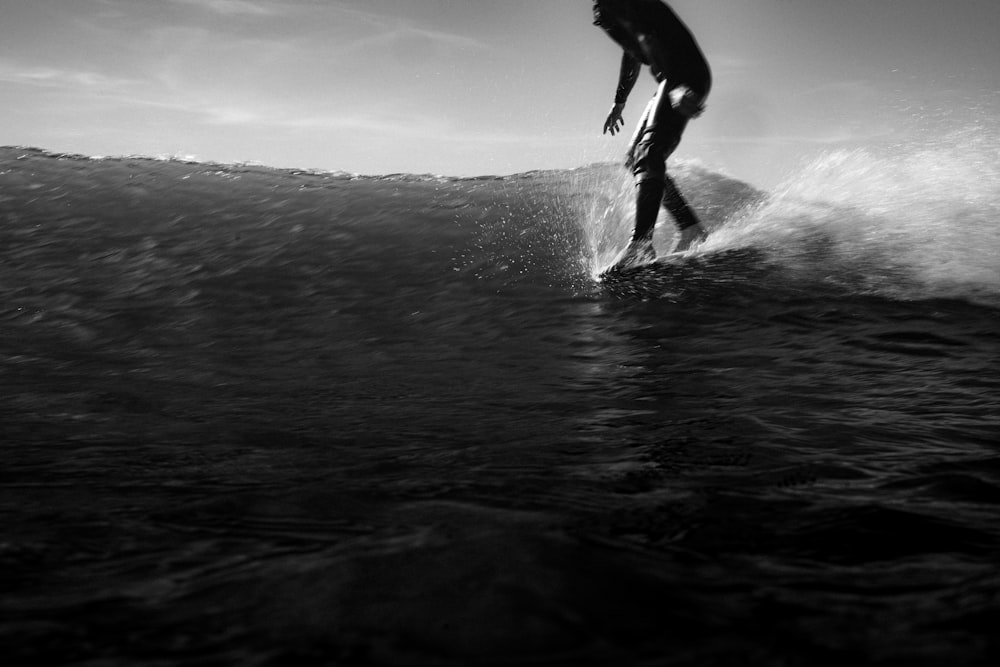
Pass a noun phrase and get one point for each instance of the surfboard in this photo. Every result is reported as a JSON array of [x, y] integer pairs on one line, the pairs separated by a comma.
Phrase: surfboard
[[633, 271], [675, 273], [716, 259]]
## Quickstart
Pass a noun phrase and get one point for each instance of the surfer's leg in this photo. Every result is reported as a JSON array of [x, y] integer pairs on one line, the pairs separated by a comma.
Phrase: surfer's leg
[[640, 250], [666, 129], [649, 169], [657, 136], [684, 217], [640, 131], [660, 134], [644, 160], [648, 196], [678, 207]]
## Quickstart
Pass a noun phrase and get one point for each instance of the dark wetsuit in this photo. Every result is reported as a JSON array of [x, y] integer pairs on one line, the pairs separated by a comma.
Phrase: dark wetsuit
[[630, 22], [650, 33]]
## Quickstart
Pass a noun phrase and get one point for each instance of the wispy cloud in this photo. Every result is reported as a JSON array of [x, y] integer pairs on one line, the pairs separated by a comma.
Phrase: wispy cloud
[[366, 16], [380, 29], [235, 7], [426, 38], [389, 124], [52, 77], [379, 126]]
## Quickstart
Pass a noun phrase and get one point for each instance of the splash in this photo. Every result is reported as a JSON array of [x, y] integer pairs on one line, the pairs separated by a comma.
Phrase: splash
[[605, 216], [912, 221], [608, 210]]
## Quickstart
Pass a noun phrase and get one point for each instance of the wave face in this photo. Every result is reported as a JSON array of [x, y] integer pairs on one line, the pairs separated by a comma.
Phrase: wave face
[[259, 416]]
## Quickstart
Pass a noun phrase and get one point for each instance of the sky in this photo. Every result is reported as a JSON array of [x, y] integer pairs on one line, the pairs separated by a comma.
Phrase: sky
[[477, 87]]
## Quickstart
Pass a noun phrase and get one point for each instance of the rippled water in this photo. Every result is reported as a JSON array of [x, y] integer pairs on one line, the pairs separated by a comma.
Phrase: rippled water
[[266, 417]]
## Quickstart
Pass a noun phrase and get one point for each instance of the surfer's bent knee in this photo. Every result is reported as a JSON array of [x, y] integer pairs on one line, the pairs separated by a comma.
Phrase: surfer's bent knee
[[643, 175], [650, 162], [651, 153]]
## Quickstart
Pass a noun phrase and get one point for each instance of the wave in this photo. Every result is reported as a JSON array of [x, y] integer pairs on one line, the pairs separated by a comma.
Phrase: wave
[[912, 222]]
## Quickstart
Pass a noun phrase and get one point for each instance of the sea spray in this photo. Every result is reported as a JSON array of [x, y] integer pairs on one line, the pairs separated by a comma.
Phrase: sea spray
[[916, 220], [607, 207]]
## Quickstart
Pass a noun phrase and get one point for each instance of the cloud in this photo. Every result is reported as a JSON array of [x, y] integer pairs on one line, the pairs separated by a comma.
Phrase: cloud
[[420, 39], [235, 7], [379, 30], [371, 124], [52, 77], [127, 93], [381, 127]]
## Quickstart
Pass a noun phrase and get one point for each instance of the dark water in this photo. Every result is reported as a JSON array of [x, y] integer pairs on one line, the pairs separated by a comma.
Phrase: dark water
[[260, 417]]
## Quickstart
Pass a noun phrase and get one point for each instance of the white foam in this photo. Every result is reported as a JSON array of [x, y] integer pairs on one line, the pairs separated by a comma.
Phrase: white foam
[[928, 211]]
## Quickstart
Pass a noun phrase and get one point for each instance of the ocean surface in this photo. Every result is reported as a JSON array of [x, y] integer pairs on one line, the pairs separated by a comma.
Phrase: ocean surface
[[254, 416]]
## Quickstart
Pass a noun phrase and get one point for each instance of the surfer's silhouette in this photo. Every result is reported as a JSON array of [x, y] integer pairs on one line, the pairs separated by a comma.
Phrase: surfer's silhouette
[[650, 33]]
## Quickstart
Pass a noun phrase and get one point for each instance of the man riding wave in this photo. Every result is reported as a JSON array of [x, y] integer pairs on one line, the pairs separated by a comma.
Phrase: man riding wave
[[651, 34]]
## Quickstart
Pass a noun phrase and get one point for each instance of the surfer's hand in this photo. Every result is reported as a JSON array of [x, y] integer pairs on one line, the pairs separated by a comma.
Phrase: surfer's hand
[[614, 122]]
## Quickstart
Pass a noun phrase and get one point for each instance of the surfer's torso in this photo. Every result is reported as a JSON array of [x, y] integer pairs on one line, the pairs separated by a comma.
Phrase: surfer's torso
[[628, 21]]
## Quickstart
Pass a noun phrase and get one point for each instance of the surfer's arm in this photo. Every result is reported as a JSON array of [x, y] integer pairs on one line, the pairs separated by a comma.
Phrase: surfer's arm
[[627, 76]]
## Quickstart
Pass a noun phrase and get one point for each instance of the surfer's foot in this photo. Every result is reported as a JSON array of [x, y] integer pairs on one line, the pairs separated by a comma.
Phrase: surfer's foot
[[689, 236], [637, 253]]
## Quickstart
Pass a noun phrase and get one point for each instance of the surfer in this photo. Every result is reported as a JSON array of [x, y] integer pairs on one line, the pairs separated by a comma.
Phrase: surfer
[[651, 34]]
